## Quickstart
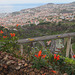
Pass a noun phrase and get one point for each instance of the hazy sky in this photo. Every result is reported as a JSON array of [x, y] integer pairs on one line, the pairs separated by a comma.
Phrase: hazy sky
[[33, 1]]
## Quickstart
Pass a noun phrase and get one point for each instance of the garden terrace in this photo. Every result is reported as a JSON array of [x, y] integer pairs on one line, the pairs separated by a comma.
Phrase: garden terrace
[[35, 61]]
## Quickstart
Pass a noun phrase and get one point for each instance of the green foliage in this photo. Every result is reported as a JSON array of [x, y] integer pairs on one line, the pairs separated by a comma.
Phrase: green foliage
[[64, 65], [9, 45], [73, 47], [39, 62]]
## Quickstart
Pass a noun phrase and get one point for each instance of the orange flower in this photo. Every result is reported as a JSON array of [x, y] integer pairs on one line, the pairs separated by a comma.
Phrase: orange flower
[[17, 25], [36, 56], [4, 36], [1, 32], [56, 57], [39, 55], [12, 34], [73, 56], [44, 56], [53, 71]]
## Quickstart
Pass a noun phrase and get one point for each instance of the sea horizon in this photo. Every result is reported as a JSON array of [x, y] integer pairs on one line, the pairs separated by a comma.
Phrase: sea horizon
[[9, 8]]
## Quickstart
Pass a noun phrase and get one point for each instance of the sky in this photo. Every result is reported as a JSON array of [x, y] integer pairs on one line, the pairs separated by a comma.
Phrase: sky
[[34, 1]]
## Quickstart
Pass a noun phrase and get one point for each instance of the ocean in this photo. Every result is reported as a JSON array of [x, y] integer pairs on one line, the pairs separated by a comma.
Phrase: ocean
[[8, 8]]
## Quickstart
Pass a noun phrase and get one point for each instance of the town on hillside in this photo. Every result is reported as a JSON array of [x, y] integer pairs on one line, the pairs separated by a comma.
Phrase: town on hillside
[[46, 13]]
